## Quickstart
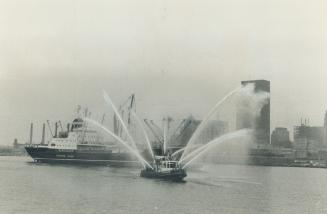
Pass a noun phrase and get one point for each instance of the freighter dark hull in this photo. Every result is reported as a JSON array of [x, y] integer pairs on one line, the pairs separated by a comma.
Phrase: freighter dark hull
[[46, 155]]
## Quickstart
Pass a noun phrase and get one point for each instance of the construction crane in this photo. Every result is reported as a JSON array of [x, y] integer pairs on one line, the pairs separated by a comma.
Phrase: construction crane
[[154, 133]]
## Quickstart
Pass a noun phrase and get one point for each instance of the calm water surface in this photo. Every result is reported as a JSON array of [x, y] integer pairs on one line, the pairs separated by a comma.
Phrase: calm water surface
[[27, 187]]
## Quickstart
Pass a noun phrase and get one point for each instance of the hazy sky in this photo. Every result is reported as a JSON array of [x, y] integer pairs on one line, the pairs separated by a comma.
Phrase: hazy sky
[[179, 57]]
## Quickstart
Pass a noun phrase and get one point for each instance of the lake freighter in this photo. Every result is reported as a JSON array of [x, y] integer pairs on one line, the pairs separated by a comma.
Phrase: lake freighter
[[79, 145]]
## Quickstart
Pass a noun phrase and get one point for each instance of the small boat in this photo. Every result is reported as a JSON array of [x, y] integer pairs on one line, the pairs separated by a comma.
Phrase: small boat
[[165, 169]]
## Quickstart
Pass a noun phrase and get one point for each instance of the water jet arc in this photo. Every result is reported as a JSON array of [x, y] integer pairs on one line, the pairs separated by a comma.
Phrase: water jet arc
[[109, 101], [201, 150], [206, 118], [124, 143], [144, 133]]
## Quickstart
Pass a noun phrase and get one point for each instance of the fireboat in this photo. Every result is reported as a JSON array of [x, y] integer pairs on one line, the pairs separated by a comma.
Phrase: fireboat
[[164, 168]]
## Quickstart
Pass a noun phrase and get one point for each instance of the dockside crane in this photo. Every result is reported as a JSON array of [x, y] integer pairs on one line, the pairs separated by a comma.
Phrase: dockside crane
[[157, 127], [178, 130], [154, 133], [187, 122]]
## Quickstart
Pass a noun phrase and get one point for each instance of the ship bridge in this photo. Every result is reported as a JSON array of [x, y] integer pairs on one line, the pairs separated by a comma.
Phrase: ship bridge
[[77, 123]]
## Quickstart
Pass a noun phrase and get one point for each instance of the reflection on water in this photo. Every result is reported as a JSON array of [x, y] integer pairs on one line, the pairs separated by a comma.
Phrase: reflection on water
[[28, 187]]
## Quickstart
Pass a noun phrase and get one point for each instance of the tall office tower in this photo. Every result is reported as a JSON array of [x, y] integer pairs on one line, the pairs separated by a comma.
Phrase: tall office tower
[[261, 122]]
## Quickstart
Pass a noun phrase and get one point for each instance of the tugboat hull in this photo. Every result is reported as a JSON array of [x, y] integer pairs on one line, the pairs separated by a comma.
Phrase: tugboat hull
[[174, 175]]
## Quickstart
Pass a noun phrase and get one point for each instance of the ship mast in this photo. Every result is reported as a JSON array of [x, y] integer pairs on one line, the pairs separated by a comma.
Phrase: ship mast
[[84, 124], [49, 126]]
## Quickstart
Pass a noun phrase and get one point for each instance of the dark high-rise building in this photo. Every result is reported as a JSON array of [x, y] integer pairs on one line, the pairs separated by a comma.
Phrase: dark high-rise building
[[261, 122]]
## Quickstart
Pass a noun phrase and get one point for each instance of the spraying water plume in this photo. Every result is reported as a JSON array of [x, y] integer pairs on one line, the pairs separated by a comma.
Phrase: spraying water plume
[[205, 120], [144, 133], [121, 141], [251, 100], [255, 100], [203, 149], [109, 101]]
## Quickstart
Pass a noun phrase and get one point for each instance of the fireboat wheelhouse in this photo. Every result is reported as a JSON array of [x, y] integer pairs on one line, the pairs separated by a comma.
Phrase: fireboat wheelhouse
[[164, 168]]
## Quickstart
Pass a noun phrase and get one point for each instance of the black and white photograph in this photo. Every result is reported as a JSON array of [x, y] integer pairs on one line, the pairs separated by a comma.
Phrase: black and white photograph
[[163, 107]]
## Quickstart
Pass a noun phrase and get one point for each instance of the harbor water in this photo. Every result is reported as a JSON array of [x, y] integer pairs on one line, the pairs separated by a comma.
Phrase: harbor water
[[28, 187]]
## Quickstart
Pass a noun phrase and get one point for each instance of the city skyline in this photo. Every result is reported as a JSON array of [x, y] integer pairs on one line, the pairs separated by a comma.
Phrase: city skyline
[[180, 116], [50, 63]]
